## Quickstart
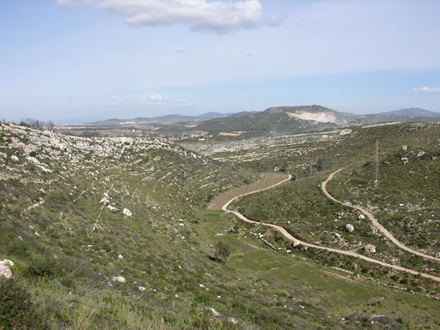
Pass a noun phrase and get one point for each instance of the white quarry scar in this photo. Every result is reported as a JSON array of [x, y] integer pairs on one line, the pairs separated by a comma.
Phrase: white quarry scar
[[323, 117]]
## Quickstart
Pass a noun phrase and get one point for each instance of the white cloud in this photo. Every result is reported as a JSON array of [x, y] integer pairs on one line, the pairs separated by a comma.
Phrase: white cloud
[[180, 100], [65, 4], [159, 98], [114, 98], [200, 15], [426, 90], [71, 98]]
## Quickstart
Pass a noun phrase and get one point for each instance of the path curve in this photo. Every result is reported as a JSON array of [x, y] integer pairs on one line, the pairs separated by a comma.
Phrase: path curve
[[374, 220], [298, 242]]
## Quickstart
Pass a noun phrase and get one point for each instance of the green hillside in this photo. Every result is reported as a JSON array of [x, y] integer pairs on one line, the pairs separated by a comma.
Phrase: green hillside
[[113, 233], [277, 121]]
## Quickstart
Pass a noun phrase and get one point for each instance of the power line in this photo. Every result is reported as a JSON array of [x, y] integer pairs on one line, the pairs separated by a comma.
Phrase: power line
[[376, 182]]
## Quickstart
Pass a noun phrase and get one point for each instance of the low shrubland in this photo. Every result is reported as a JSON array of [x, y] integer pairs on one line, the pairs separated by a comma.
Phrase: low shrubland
[[82, 262]]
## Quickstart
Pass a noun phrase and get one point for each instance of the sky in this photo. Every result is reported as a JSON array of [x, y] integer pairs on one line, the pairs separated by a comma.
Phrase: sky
[[83, 60]]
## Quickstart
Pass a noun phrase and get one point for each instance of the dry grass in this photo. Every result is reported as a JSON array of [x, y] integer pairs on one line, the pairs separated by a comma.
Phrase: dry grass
[[267, 180]]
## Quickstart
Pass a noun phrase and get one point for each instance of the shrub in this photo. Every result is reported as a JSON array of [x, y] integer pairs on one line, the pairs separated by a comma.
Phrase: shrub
[[17, 310], [43, 267], [222, 250]]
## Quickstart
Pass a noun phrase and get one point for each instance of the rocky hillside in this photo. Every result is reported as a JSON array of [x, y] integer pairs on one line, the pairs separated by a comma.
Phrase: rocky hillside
[[112, 233], [279, 121]]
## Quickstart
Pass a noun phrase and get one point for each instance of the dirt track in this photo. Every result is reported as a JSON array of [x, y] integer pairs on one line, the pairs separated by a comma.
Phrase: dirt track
[[296, 242], [374, 220]]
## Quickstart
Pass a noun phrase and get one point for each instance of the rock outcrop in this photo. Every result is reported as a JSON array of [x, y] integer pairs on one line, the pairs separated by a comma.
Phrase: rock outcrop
[[370, 248], [5, 269], [349, 228]]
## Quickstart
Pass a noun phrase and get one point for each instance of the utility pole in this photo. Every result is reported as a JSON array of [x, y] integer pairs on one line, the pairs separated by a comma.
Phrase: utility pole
[[376, 182]]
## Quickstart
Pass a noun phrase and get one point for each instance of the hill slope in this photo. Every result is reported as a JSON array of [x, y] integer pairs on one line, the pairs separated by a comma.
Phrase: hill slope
[[279, 121], [413, 112], [112, 233]]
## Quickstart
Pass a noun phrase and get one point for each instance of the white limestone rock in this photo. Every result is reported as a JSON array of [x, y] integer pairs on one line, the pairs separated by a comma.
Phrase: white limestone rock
[[14, 158], [7, 262], [104, 201], [361, 217], [349, 228], [33, 160], [127, 212], [112, 208], [5, 271], [118, 279], [370, 248]]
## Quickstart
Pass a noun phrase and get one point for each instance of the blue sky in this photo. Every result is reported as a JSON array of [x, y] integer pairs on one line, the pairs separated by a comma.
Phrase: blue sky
[[87, 59]]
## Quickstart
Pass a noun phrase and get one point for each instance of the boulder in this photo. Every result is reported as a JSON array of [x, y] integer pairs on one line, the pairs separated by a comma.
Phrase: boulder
[[361, 217], [7, 262], [370, 248], [349, 228], [127, 212], [5, 271], [113, 209], [14, 158], [4, 268], [118, 279]]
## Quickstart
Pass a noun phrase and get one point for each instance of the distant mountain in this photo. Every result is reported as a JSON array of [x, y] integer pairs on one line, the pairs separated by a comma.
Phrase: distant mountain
[[278, 121], [209, 115], [349, 114], [412, 112], [174, 117]]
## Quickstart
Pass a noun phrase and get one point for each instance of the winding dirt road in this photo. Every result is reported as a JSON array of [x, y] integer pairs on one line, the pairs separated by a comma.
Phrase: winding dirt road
[[296, 242], [374, 220]]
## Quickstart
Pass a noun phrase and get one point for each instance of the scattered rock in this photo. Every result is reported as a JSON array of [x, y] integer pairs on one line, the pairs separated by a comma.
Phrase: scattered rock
[[349, 228], [32, 160], [345, 131], [370, 248], [118, 279], [104, 201], [127, 212], [361, 217], [120, 257], [141, 288], [214, 312], [5, 271], [14, 158], [113, 209]]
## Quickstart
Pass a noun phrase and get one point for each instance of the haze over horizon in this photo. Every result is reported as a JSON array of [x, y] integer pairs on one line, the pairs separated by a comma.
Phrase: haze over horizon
[[106, 59]]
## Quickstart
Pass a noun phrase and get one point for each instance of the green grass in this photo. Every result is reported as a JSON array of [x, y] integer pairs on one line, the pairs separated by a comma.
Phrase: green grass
[[67, 268]]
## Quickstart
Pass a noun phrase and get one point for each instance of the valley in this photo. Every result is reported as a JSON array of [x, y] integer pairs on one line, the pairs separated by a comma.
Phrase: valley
[[123, 232]]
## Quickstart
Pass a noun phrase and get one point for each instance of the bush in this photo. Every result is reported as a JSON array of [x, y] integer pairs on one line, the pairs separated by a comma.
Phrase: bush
[[222, 249], [17, 310], [43, 267]]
